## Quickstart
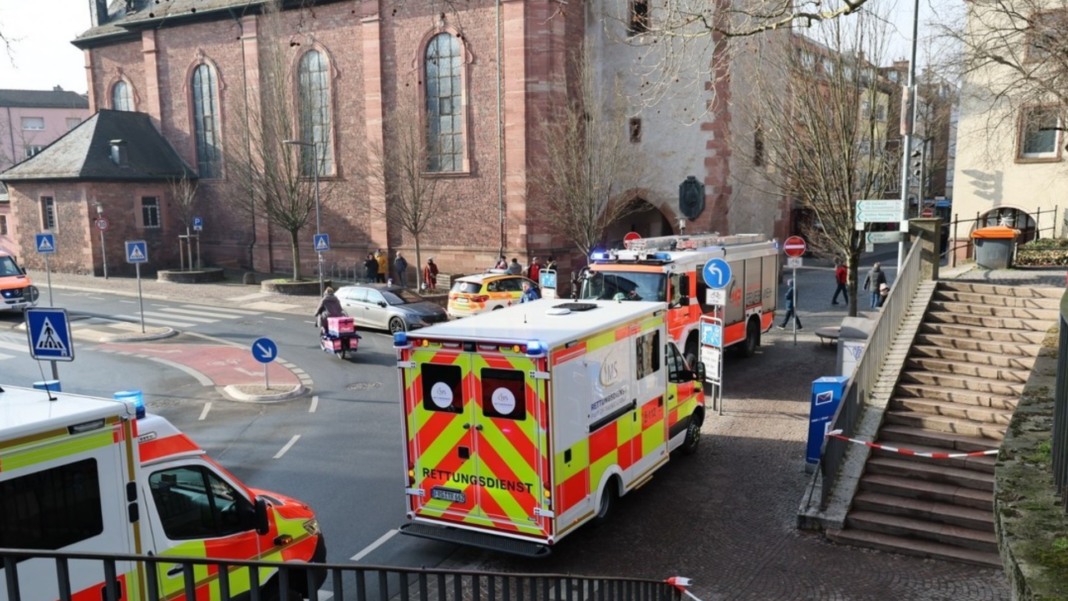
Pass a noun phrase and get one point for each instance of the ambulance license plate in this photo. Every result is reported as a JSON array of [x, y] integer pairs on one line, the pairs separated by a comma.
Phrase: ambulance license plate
[[461, 301], [448, 494]]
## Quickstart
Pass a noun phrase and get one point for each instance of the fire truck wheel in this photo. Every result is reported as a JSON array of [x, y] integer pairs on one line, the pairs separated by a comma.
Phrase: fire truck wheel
[[693, 435], [608, 502], [752, 339]]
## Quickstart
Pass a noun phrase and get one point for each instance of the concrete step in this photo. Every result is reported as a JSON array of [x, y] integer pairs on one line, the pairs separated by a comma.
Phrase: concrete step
[[889, 466], [996, 300], [981, 463], [963, 368], [954, 425], [975, 357], [956, 395], [973, 413], [1000, 290], [911, 488], [932, 378], [994, 311], [896, 525], [1016, 349], [981, 333], [947, 441], [1000, 323], [932, 511], [914, 547]]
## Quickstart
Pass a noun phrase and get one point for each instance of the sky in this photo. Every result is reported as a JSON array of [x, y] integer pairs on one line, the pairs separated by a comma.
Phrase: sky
[[42, 57]]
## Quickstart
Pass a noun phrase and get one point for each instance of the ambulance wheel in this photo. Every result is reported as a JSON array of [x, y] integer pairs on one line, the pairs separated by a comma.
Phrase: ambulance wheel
[[609, 496], [396, 325], [693, 435], [752, 338]]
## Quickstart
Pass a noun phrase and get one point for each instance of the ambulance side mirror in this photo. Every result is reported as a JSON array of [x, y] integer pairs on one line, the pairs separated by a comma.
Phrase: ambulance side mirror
[[262, 524], [701, 372]]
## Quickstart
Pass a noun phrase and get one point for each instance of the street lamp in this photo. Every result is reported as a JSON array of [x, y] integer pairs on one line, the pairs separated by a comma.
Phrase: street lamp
[[318, 221]]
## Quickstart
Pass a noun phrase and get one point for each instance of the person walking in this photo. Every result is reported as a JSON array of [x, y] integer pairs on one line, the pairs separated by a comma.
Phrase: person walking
[[534, 271], [430, 274], [840, 277], [550, 264], [400, 268], [514, 268], [502, 263], [370, 266], [529, 293], [791, 313], [383, 266], [875, 278]]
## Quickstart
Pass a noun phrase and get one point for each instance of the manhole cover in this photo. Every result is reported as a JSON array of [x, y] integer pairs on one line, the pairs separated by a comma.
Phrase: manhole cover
[[364, 385]]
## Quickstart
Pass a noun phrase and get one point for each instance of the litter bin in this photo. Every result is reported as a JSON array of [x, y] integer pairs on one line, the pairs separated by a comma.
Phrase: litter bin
[[995, 246]]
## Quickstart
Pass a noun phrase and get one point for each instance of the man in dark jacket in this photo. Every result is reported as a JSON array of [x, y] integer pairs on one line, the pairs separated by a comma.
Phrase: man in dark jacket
[[400, 266], [370, 266], [790, 312], [876, 277]]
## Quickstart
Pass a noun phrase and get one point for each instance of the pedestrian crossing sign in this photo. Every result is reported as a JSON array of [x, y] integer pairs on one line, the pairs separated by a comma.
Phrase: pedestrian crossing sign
[[48, 331], [322, 243], [46, 244], [136, 251]]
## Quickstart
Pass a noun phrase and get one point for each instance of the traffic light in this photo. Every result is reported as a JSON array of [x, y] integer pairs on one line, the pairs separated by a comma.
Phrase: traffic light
[[916, 163]]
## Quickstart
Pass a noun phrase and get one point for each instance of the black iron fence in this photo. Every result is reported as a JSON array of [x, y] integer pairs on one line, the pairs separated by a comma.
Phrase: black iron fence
[[185, 575], [1059, 447], [956, 234]]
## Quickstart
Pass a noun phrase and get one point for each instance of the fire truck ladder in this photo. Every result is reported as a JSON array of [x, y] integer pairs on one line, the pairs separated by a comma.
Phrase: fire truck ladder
[[693, 242]]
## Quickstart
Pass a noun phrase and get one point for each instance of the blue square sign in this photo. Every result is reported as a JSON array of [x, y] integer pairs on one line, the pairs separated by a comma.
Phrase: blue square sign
[[46, 244], [711, 334], [322, 243], [48, 331], [136, 251]]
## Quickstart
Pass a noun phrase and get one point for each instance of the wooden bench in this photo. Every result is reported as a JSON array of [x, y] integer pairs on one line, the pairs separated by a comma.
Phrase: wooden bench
[[828, 335]]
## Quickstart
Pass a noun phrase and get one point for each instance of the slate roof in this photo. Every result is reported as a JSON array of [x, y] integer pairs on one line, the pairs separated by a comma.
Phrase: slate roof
[[84, 153], [48, 99], [145, 11]]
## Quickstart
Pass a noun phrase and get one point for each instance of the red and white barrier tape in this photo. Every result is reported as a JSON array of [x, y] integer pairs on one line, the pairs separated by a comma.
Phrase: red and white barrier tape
[[681, 583], [838, 434]]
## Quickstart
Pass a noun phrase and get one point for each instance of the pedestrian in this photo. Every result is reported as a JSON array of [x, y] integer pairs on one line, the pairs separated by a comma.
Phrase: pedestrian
[[430, 274], [884, 291], [502, 264], [875, 278], [383, 265], [400, 267], [791, 313], [370, 266], [529, 293], [514, 268], [840, 277], [329, 306], [534, 270], [550, 264]]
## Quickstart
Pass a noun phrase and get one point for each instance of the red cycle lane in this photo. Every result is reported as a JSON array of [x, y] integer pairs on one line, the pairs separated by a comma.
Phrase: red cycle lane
[[221, 365]]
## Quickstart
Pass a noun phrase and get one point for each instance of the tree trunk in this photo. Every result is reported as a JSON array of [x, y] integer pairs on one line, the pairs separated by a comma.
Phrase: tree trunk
[[418, 264], [853, 271], [296, 254]]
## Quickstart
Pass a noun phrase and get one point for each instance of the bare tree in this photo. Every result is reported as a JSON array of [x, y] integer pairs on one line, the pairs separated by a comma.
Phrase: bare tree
[[185, 206], [271, 179], [587, 171]]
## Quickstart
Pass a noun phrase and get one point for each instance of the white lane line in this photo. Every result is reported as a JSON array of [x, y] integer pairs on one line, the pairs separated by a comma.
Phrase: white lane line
[[223, 311], [370, 548], [282, 319], [204, 413], [200, 377], [126, 301], [3, 356], [205, 313], [97, 298], [14, 346], [315, 403], [162, 322], [292, 441], [182, 317]]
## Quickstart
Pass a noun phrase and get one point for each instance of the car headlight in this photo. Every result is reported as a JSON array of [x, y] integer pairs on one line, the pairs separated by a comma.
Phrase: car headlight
[[312, 527]]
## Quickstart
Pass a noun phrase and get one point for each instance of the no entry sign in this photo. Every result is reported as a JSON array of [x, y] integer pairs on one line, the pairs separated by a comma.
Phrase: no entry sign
[[794, 246]]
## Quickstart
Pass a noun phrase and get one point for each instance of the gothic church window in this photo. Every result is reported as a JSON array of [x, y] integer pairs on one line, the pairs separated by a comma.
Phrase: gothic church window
[[444, 100], [315, 114], [121, 99], [206, 121]]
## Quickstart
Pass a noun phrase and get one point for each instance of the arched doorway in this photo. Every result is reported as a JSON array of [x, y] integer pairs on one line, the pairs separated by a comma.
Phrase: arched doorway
[[1011, 217], [648, 221]]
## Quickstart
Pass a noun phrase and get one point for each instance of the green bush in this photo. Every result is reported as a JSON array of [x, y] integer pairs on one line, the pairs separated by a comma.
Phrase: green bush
[[1046, 244], [1031, 257]]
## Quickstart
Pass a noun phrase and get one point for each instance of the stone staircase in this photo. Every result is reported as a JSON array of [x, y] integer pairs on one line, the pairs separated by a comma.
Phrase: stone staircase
[[956, 394]]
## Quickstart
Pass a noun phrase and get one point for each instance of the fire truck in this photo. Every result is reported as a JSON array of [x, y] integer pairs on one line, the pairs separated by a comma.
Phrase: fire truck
[[668, 269]]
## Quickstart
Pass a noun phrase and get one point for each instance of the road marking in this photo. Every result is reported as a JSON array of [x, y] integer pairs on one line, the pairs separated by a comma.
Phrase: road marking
[[280, 319], [126, 301], [220, 310], [292, 441], [310, 322], [247, 372], [13, 346], [204, 413], [200, 319], [97, 298], [370, 548], [162, 322], [202, 313], [315, 403], [3, 356], [203, 379]]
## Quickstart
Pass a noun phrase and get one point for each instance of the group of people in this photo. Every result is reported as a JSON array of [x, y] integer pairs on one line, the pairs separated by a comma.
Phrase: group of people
[[376, 269], [533, 271], [875, 282]]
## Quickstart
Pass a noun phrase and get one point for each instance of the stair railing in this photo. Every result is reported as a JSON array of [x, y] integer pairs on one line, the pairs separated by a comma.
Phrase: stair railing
[[1059, 449], [866, 373]]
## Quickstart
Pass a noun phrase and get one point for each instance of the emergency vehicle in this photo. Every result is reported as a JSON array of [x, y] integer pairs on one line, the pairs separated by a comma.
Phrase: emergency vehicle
[[668, 269], [85, 474], [523, 424], [17, 292]]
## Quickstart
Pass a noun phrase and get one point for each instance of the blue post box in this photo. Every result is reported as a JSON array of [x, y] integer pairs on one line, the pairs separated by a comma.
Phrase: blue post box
[[826, 395]]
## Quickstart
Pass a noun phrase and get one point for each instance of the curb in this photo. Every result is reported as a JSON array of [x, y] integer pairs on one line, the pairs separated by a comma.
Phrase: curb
[[168, 333], [234, 392]]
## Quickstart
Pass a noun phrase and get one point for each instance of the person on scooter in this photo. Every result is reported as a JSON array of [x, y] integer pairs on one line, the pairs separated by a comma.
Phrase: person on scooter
[[329, 306]]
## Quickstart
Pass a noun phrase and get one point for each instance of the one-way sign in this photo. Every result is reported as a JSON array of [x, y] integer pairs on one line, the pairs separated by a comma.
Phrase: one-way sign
[[48, 331]]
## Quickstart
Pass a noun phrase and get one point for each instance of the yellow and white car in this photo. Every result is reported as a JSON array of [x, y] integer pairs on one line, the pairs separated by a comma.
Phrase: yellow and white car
[[474, 294]]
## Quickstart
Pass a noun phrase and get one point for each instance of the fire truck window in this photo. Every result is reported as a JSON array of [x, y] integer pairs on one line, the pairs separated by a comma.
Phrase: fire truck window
[[51, 509], [675, 364], [504, 394], [648, 354], [442, 389], [676, 291], [183, 501], [702, 296]]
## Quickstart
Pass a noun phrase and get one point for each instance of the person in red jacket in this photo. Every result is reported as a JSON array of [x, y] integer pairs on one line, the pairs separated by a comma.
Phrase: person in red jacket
[[840, 276], [534, 271], [430, 274]]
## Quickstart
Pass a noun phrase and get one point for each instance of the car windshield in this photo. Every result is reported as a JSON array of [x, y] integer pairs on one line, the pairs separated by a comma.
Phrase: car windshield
[[400, 296], [624, 285], [467, 287], [8, 267]]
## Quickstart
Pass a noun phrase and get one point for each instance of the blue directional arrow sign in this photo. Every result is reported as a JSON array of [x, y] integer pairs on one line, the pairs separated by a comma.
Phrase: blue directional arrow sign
[[198, 224], [264, 350], [48, 331], [717, 273], [711, 334], [322, 243], [46, 244], [136, 251]]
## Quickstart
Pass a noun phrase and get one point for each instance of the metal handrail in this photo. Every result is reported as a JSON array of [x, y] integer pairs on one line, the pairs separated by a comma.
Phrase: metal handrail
[[1059, 448], [868, 368]]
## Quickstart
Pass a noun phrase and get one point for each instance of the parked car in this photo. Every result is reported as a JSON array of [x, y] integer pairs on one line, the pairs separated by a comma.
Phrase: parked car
[[474, 294], [389, 307]]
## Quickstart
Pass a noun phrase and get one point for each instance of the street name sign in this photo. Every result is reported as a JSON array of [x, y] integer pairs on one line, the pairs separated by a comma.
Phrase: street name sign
[[878, 211], [883, 237]]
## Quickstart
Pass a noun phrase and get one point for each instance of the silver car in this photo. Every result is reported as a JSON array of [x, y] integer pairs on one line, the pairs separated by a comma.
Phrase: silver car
[[389, 307]]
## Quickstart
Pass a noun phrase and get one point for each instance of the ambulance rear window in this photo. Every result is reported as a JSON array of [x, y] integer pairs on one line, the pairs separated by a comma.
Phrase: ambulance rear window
[[51, 509], [442, 388], [503, 394], [467, 287]]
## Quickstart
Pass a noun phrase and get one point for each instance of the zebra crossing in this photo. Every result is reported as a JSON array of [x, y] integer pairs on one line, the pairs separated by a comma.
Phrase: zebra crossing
[[186, 316]]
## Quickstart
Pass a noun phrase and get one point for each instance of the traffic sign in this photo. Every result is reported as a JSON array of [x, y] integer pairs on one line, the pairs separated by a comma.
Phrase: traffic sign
[[48, 331], [794, 246], [322, 242], [46, 244], [264, 350], [711, 334], [102, 223], [716, 298], [794, 262], [547, 279], [136, 251], [928, 212], [878, 211], [717, 273], [630, 237], [198, 224], [883, 237]]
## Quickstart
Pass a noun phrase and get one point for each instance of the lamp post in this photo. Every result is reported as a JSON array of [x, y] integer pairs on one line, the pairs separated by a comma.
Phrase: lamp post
[[103, 248], [318, 220]]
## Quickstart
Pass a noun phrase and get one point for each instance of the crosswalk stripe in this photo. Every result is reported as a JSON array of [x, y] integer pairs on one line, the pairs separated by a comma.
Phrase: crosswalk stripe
[[222, 310], [3, 356], [182, 317], [162, 322], [14, 346], [202, 313]]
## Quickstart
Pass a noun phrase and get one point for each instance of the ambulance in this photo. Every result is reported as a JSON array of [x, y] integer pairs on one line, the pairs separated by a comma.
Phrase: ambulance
[[93, 475], [523, 424], [17, 292], [668, 269]]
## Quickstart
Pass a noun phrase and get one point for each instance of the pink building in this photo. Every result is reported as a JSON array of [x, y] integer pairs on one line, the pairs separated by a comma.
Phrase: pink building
[[30, 120]]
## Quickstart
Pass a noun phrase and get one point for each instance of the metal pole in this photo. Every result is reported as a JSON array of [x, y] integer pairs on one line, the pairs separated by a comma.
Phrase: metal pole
[[266, 382], [794, 277], [318, 220], [189, 247], [140, 299], [198, 252], [104, 254], [907, 143], [55, 371], [48, 271]]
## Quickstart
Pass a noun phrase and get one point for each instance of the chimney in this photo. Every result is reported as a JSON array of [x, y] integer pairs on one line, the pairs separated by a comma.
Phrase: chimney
[[100, 12], [118, 153]]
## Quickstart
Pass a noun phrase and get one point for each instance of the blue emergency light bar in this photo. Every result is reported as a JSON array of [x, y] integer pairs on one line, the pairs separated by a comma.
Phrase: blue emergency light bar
[[535, 348]]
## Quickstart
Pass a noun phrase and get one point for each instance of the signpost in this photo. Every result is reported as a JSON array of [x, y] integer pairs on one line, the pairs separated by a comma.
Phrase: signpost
[[264, 350], [48, 332], [322, 244], [547, 282], [198, 224], [630, 237], [46, 245], [794, 247], [718, 276], [877, 211], [137, 253], [102, 225]]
